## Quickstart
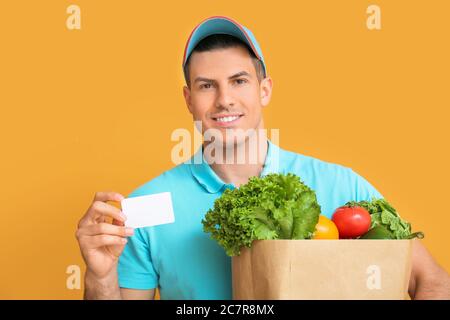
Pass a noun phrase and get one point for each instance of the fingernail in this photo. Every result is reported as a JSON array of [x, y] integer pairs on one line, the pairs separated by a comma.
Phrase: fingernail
[[124, 241], [129, 231], [124, 217]]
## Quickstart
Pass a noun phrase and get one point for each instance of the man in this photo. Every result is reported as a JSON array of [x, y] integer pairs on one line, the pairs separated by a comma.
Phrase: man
[[227, 88]]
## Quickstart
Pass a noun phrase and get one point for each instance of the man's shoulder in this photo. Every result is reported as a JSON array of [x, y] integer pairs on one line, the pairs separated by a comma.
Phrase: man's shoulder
[[296, 161], [334, 184], [166, 181], [329, 176]]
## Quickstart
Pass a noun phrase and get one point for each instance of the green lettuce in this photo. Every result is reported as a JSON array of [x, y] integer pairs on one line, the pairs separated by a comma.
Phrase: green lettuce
[[276, 206], [384, 216]]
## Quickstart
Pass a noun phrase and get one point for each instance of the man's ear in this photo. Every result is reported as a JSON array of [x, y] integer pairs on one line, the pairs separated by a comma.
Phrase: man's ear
[[266, 90], [187, 97]]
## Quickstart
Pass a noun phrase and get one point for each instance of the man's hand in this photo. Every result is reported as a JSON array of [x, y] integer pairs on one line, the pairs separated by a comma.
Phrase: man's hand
[[428, 279], [101, 244]]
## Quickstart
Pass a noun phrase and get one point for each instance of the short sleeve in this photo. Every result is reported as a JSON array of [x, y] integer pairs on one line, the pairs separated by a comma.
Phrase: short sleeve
[[135, 266], [363, 189]]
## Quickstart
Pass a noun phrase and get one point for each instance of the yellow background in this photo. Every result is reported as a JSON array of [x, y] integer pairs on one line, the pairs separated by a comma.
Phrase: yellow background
[[93, 109]]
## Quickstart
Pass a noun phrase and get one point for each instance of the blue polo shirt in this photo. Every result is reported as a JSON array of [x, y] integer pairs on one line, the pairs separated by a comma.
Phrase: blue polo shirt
[[182, 260]]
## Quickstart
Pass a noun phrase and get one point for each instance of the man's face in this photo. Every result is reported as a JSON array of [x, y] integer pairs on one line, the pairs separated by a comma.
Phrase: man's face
[[225, 93]]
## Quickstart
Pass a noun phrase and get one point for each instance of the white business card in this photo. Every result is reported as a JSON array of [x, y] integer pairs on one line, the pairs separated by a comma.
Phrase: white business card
[[147, 211]]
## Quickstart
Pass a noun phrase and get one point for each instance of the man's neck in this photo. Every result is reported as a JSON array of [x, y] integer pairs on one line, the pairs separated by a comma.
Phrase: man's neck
[[238, 173]]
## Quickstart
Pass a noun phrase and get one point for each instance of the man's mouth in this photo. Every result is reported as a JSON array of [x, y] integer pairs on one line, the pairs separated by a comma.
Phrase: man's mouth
[[226, 120]]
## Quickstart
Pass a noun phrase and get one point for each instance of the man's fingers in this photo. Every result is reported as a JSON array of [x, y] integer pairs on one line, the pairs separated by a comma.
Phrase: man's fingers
[[99, 209], [105, 228], [118, 223], [93, 242], [108, 196]]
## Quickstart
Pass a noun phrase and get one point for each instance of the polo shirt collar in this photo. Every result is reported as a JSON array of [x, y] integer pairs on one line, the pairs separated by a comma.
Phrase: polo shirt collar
[[208, 179]]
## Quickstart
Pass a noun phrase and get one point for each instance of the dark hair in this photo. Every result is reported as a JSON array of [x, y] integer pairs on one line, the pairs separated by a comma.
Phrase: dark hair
[[223, 41]]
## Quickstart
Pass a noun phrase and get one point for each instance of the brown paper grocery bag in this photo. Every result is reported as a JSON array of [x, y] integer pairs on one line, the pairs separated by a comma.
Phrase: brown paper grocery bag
[[323, 269]]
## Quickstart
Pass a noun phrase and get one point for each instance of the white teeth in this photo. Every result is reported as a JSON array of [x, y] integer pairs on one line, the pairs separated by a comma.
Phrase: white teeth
[[227, 119]]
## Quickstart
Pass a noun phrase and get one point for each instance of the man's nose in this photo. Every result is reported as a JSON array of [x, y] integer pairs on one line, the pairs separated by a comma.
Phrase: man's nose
[[224, 98]]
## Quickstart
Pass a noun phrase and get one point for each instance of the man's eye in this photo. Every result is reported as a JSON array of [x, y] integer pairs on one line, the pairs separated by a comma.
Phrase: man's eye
[[205, 86], [241, 81]]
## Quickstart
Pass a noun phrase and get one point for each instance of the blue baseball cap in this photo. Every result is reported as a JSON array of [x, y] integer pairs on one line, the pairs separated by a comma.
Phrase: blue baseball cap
[[222, 25]]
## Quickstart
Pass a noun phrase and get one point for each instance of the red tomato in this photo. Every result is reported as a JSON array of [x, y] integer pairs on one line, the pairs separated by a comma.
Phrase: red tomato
[[351, 222]]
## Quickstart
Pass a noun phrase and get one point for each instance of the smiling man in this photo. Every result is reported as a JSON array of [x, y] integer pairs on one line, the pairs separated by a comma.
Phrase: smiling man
[[227, 87]]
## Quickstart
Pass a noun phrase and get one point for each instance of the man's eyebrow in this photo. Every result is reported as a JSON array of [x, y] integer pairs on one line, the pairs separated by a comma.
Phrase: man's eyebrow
[[236, 75], [198, 79], [239, 74]]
